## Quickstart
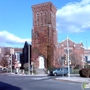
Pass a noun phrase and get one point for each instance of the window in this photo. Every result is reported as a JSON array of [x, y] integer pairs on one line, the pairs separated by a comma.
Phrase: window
[[41, 18], [58, 69], [66, 51], [70, 51], [86, 58], [37, 18], [45, 17]]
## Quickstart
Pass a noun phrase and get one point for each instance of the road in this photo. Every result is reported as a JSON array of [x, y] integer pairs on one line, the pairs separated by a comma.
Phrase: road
[[36, 83]]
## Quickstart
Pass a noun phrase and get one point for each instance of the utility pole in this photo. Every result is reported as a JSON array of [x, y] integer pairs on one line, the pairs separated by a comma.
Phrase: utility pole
[[12, 52], [28, 59], [68, 58]]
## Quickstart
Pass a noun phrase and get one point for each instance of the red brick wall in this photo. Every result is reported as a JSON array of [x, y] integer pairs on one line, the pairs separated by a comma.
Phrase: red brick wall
[[76, 48], [44, 27]]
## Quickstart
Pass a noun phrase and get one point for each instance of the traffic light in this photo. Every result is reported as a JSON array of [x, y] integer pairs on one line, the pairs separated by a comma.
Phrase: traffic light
[[65, 57], [70, 62], [65, 62]]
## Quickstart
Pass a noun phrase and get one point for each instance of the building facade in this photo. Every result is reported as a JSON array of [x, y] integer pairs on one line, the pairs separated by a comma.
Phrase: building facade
[[9, 56], [87, 55], [44, 35], [76, 53]]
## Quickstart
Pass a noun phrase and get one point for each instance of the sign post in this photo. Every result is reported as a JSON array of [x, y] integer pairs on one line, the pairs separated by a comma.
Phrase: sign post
[[11, 52], [63, 58], [32, 67], [28, 59]]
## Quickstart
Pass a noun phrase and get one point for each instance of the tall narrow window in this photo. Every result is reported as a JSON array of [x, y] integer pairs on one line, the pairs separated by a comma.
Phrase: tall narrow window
[[41, 18], [37, 18], [45, 17]]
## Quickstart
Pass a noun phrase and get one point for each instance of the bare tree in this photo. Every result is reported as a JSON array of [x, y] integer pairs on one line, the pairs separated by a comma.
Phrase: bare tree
[[76, 60], [5, 57]]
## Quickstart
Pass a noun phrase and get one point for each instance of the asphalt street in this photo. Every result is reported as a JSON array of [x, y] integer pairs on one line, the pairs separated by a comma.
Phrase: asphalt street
[[36, 83]]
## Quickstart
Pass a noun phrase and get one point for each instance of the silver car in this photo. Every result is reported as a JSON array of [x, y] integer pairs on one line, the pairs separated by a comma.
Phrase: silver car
[[60, 71]]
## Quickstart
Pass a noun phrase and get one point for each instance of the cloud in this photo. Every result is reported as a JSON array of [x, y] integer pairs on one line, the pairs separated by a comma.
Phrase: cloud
[[74, 17], [11, 39]]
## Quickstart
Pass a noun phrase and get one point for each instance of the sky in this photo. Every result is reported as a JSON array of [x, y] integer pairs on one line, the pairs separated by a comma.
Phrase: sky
[[72, 20]]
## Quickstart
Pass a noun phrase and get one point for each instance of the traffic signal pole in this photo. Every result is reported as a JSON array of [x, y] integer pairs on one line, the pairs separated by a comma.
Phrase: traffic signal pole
[[68, 58]]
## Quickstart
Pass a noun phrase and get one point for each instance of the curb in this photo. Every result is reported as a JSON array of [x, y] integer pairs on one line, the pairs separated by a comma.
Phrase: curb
[[68, 81], [74, 79]]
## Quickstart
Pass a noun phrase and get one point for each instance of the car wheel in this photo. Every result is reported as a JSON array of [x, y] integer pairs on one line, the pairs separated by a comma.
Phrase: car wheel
[[65, 74], [55, 74]]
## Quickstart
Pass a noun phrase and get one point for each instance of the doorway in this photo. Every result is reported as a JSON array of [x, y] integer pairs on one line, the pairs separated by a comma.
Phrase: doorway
[[41, 62]]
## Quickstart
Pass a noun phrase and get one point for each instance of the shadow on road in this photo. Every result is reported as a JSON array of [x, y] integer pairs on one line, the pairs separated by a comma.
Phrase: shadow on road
[[5, 86]]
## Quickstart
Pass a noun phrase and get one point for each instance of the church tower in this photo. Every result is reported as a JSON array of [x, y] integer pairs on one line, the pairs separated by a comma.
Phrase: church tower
[[44, 35]]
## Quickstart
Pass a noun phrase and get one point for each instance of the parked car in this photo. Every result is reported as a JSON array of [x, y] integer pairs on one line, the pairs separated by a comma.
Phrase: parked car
[[60, 71], [4, 70]]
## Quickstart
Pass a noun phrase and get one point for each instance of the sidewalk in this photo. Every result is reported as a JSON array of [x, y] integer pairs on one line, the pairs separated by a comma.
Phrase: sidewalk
[[74, 78], [13, 74]]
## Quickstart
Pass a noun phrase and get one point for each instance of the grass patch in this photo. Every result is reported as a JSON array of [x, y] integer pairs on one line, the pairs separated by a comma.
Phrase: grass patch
[[75, 71]]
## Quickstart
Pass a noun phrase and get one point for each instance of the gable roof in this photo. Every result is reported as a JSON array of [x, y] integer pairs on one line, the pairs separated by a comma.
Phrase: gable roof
[[71, 43]]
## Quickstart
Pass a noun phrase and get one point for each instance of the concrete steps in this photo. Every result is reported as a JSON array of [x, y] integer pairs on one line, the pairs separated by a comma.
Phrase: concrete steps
[[40, 71]]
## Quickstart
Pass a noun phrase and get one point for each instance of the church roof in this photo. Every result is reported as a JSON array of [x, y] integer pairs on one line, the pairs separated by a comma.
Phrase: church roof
[[70, 43]]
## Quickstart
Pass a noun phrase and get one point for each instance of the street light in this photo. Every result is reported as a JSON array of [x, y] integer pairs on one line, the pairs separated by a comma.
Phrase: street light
[[68, 58], [28, 59]]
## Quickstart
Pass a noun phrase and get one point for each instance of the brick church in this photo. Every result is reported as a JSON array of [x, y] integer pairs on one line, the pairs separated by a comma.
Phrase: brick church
[[44, 35]]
